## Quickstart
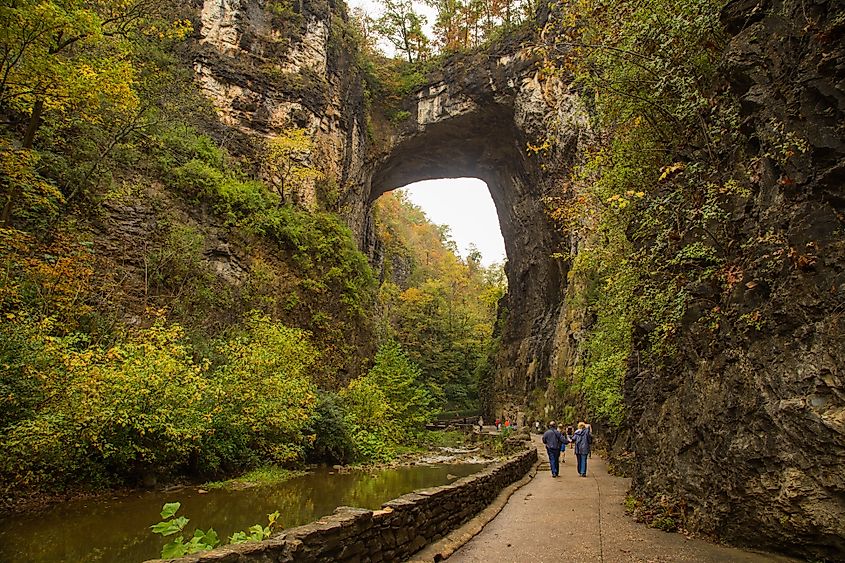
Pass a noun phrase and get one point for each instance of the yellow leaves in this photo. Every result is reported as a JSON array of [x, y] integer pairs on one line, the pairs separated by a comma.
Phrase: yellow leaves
[[543, 147], [18, 175], [54, 277], [618, 201], [669, 170], [75, 59], [116, 353], [287, 155], [175, 30], [414, 295]]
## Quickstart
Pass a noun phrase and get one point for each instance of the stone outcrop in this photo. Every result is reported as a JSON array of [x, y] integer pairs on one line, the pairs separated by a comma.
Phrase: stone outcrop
[[402, 527], [473, 118], [267, 71]]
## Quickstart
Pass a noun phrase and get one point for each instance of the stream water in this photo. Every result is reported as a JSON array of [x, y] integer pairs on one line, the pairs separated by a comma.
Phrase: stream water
[[117, 530]]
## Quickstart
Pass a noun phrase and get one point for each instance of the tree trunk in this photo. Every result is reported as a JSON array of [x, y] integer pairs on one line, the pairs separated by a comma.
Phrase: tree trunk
[[28, 140], [34, 122]]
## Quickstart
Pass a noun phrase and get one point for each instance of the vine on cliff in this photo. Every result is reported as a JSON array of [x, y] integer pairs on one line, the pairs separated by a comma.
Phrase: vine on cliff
[[650, 196]]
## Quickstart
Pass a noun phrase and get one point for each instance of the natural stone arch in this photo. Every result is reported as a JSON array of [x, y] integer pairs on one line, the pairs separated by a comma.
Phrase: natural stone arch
[[476, 120], [473, 117]]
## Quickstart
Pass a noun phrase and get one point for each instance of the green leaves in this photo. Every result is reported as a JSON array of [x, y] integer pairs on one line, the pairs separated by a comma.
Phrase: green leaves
[[256, 531], [649, 195], [208, 538], [444, 312], [386, 406], [68, 66], [174, 549], [201, 540], [401, 25], [170, 509], [170, 527]]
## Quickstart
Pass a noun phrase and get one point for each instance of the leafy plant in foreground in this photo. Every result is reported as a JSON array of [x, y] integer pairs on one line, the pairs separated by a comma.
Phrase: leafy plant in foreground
[[257, 532], [202, 540], [171, 524]]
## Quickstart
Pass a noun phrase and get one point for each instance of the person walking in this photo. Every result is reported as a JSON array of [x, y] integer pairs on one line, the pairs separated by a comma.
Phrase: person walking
[[583, 440], [553, 441], [565, 440]]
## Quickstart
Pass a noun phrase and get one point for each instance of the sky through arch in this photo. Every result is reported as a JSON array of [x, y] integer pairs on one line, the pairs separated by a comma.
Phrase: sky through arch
[[465, 206]]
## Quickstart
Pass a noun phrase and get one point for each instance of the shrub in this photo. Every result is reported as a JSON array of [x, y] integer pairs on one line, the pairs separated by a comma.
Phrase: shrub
[[178, 145], [80, 413], [330, 438], [236, 198], [265, 396], [196, 178], [121, 411], [410, 403], [388, 405]]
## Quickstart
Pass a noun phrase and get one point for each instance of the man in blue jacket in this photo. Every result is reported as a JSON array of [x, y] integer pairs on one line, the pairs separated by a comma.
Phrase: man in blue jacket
[[553, 441]]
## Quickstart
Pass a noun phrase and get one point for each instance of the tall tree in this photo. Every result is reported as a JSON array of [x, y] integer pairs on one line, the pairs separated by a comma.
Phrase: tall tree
[[401, 24]]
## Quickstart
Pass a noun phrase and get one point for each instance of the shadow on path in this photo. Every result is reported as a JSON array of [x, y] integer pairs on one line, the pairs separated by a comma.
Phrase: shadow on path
[[582, 519]]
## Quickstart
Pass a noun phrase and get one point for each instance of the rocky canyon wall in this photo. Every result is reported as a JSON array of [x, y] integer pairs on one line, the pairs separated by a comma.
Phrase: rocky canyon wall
[[746, 432], [269, 67]]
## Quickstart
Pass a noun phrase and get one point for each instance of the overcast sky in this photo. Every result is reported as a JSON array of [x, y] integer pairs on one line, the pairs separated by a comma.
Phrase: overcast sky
[[465, 205]]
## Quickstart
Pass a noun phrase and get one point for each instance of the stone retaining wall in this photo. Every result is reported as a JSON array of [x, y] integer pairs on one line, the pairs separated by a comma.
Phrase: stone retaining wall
[[401, 528]]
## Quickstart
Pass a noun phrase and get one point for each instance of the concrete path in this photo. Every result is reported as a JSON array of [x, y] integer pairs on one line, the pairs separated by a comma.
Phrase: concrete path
[[583, 519]]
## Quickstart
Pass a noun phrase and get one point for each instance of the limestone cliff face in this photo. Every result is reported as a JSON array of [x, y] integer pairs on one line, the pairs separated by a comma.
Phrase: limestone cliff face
[[269, 68]]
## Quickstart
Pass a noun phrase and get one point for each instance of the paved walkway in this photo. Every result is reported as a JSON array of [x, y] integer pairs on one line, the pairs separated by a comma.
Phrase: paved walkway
[[575, 519]]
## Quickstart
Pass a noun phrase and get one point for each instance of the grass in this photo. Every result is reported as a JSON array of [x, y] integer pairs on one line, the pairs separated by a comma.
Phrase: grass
[[266, 475]]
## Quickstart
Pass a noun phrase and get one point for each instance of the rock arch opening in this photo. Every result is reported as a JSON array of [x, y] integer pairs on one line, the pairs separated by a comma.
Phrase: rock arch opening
[[456, 135]]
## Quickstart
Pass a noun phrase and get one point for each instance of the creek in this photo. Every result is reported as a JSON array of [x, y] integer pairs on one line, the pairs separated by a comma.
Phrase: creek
[[116, 530]]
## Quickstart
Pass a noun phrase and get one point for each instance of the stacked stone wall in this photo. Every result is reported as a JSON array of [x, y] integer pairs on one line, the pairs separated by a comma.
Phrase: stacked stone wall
[[402, 527]]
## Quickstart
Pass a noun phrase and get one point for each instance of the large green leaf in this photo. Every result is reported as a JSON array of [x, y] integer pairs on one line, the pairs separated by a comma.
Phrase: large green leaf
[[170, 526], [165, 528], [174, 549], [238, 537], [169, 509], [208, 538]]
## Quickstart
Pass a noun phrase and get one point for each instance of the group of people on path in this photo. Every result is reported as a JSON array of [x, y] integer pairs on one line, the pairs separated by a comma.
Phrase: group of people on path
[[556, 442], [507, 424], [499, 424]]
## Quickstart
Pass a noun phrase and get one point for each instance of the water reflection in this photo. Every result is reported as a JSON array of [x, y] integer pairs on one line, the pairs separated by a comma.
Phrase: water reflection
[[116, 530]]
